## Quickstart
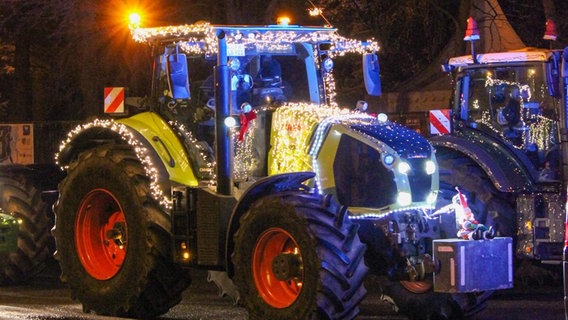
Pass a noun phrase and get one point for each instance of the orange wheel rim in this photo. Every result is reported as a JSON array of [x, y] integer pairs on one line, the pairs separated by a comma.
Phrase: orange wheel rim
[[275, 292], [101, 234], [417, 286]]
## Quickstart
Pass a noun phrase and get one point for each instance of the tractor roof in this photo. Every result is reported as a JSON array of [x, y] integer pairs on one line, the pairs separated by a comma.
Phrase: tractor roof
[[202, 36], [521, 55]]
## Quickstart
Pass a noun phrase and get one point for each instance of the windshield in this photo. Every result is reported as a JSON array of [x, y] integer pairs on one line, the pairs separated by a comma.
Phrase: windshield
[[514, 103], [256, 77]]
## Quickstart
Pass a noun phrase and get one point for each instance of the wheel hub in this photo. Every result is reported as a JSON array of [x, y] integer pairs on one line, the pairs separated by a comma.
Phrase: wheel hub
[[287, 266], [277, 268], [101, 234], [117, 234]]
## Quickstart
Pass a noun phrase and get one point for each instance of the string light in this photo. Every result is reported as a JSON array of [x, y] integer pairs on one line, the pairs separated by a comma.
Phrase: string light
[[314, 12], [246, 158], [538, 133], [205, 156], [127, 136], [293, 124], [201, 38]]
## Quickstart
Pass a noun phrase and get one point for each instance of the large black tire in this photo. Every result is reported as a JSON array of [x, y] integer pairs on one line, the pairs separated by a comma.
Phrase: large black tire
[[113, 240], [429, 305], [328, 258], [490, 206], [19, 197]]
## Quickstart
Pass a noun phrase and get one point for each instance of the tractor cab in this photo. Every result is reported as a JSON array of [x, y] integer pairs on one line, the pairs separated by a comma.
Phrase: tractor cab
[[514, 98], [268, 64], [267, 67]]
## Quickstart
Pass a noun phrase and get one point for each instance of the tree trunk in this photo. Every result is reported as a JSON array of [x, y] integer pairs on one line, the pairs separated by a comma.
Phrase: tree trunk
[[430, 78], [496, 34], [495, 31]]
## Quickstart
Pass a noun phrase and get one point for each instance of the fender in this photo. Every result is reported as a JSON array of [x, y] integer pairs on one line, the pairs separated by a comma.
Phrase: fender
[[506, 171], [148, 131], [162, 139], [261, 188]]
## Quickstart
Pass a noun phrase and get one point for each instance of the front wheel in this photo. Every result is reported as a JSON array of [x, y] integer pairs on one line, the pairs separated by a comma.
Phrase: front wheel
[[489, 206], [417, 300], [299, 257], [113, 241]]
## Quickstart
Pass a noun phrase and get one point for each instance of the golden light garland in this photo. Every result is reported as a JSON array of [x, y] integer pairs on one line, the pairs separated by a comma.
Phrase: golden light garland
[[293, 125], [191, 141], [539, 132], [245, 161], [127, 136], [201, 37]]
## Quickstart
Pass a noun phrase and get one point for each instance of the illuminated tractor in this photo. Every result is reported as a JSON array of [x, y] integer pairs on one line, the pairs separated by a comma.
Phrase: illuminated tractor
[[9, 233], [507, 145], [240, 162], [21, 197]]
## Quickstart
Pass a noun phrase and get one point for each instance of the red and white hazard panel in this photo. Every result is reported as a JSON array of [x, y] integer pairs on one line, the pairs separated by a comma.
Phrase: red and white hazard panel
[[114, 99], [440, 121]]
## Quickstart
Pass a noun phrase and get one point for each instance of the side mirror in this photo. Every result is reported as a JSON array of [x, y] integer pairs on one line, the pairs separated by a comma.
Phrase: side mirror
[[565, 63], [178, 78], [371, 74], [553, 75]]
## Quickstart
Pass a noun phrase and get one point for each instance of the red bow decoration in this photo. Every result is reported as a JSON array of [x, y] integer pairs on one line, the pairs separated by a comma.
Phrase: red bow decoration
[[245, 119]]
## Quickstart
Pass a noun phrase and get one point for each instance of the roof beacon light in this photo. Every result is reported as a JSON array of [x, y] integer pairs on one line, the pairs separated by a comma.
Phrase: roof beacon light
[[283, 21], [550, 33]]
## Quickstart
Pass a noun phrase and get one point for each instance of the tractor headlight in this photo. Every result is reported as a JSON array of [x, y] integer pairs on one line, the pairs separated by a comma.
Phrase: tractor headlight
[[388, 160], [431, 199], [430, 167], [235, 64], [403, 167], [404, 198], [230, 122], [327, 64]]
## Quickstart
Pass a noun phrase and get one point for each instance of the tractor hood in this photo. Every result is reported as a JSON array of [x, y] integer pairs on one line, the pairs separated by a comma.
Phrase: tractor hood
[[406, 142]]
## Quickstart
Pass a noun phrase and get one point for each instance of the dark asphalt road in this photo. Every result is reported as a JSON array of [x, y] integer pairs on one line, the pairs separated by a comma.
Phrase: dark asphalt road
[[46, 298]]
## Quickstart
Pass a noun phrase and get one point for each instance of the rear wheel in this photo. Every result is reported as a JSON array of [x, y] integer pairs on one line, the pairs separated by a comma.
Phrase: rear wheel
[[419, 302], [113, 241], [21, 199], [299, 257], [489, 206]]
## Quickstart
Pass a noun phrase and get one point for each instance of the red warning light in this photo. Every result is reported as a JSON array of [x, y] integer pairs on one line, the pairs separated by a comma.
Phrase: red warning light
[[471, 33], [550, 33]]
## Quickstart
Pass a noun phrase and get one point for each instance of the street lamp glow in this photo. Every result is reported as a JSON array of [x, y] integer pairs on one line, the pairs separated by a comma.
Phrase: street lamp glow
[[134, 18]]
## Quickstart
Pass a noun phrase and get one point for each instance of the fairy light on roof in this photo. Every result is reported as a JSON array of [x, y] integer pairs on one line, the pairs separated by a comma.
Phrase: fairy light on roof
[[201, 37]]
